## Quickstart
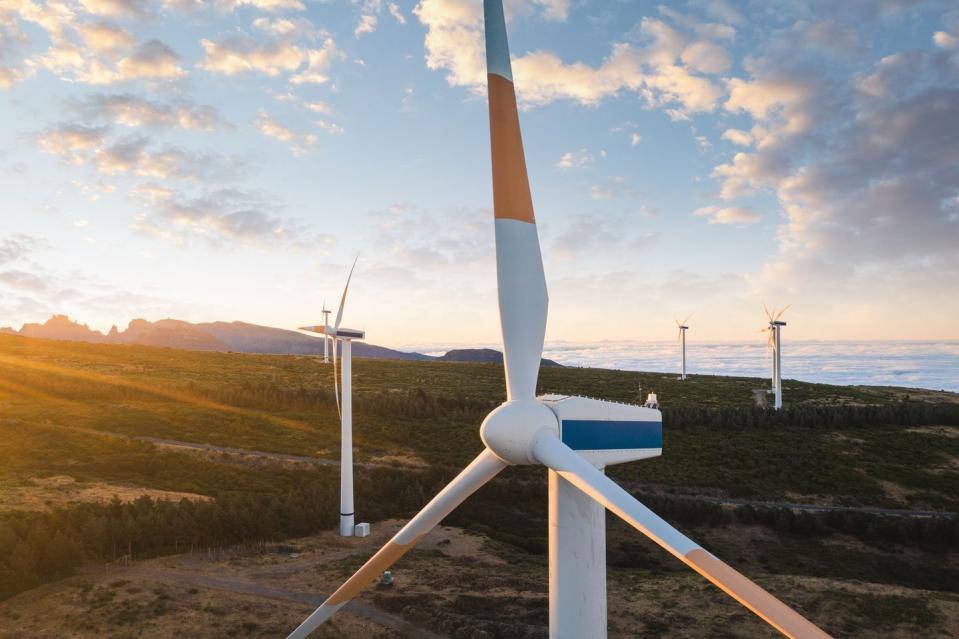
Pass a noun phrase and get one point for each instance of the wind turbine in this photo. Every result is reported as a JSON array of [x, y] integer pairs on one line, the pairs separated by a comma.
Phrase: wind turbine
[[682, 338], [774, 341], [574, 438], [326, 340], [344, 405]]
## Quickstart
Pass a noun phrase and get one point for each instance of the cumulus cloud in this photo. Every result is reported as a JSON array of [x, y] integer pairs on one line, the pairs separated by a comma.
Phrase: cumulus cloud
[[116, 8], [242, 54], [397, 13], [580, 159], [738, 137], [152, 60], [728, 215], [135, 111], [664, 70], [299, 143], [105, 38], [225, 215], [72, 142], [367, 24], [262, 5]]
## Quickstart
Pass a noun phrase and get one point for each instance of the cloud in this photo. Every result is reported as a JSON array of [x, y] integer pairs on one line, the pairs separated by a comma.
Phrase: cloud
[[134, 111], [72, 142], [299, 143], [318, 64], [243, 54], [580, 159], [263, 5], [105, 38], [134, 155], [225, 215], [728, 215], [656, 70], [615, 186], [367, 24], [17, 247], [116, 8], [738, 137], [397, 13], [150, 60]]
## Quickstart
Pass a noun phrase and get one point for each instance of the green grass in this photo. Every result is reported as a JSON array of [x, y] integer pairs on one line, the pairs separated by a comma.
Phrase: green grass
[[53, 394]]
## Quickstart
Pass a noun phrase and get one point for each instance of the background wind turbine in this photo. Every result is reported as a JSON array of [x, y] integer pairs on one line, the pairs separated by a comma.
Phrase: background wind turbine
[[682, 338], [344, 404], [774, 341], [572, 437], [326, 340]]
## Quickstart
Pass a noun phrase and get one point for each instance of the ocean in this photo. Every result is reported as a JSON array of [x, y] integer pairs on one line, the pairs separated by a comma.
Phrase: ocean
[[914, 364]]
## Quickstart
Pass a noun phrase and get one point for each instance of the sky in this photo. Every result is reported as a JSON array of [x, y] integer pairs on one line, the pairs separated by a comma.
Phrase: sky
[[227, 160]]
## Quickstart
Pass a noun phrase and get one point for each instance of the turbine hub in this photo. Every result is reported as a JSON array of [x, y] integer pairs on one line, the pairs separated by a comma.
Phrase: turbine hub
[[511, 430]]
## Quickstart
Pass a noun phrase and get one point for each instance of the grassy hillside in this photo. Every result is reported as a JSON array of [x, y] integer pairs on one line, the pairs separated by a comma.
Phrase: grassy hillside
[[93, 413], [63, 404]]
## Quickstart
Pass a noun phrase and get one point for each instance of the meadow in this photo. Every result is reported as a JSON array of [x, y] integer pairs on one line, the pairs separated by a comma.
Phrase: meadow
[[93, 413]]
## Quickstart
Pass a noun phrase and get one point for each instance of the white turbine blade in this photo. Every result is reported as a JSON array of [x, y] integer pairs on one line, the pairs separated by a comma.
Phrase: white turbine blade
[[481, 470], [780, 313], [769, 315], [521, 283], [551, 452], [686, 321], [339, 312]]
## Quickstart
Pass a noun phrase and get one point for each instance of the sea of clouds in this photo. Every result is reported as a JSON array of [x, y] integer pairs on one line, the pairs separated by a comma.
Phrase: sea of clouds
[[915, 364]]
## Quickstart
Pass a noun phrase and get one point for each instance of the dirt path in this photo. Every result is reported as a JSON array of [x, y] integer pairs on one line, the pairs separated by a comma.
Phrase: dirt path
[[240, 452], [311, 600]]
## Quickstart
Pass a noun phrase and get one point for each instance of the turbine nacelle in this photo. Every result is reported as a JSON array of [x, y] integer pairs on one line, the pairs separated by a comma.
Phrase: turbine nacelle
[[602, 432]]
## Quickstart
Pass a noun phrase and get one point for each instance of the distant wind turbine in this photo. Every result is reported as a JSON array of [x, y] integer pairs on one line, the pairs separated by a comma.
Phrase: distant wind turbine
[[326, 340], [344, 404], [774, 341], [682, 338]]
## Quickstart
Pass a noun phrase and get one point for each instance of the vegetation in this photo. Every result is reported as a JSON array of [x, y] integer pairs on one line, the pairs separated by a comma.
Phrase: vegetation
[[78, 409]]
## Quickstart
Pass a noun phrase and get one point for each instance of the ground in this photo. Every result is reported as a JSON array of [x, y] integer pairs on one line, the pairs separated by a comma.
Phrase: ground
[[455, 584]]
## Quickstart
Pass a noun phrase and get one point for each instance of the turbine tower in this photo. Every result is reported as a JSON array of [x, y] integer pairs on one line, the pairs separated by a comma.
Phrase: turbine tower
[[774, 341], [682, 338], [574, 438], [326, 340], [344, 404]]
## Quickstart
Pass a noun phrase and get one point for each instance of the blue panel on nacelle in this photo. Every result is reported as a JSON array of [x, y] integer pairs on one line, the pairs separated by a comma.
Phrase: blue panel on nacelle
[[588, 434]]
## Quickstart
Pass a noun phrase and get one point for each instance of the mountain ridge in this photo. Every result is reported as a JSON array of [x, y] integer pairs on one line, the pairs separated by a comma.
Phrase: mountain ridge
[[236, 336]]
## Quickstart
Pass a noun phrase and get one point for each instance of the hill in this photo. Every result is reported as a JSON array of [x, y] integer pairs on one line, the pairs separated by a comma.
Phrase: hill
[[209, 449], [240, 337], [485, 355]]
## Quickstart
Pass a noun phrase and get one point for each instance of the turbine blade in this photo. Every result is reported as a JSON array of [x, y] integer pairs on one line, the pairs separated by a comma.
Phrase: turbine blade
[[780, 313], [339, 312], [481, 470], [686, 321], [769, 315], [553, 453], [521, 283]]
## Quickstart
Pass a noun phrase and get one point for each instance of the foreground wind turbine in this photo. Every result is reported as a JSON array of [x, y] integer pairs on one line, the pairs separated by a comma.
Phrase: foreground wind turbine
[[682, 338], [344, 405], [774, 341], [573, 437]]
